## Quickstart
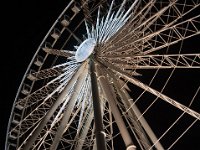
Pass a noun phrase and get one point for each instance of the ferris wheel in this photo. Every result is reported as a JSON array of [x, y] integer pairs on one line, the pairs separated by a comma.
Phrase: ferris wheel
[[112, 75]]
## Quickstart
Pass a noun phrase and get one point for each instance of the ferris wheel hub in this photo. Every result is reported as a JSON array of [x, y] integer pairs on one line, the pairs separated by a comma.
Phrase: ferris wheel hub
[[85, 49]]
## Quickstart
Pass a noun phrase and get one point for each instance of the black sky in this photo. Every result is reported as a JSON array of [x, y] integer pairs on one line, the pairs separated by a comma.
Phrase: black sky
[[25, 23]]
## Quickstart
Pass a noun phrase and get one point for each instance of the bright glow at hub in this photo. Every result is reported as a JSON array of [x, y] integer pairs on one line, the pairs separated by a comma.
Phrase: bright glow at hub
[[85, 49]]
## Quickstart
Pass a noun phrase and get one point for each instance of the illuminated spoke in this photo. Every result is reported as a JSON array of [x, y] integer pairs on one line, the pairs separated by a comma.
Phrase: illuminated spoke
[[184, 61]]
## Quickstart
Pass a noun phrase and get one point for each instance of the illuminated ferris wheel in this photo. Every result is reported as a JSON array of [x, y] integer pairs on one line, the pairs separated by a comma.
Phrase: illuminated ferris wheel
[[105, 72]]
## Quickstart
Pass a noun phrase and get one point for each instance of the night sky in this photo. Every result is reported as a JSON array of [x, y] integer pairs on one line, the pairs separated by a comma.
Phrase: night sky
[[25, 25]]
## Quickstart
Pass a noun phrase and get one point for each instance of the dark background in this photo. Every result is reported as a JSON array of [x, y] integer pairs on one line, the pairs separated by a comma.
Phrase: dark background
[[24, 25]]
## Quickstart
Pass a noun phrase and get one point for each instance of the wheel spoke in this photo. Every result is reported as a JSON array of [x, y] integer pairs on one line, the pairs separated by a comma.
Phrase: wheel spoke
[[64, 53], [184, 61], [109, 96], [165, 35], [46, 118], [133, 111]]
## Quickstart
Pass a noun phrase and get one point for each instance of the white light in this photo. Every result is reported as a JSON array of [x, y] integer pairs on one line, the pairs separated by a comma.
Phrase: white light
[[131, 147], [85, 49]]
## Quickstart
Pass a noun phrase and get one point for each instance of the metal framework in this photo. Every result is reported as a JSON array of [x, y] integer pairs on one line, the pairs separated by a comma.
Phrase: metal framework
[[139, 51]]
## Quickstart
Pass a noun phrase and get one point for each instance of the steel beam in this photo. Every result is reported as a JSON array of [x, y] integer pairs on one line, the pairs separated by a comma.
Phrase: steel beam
[[99, 132], [115, 111], [46, 118]]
